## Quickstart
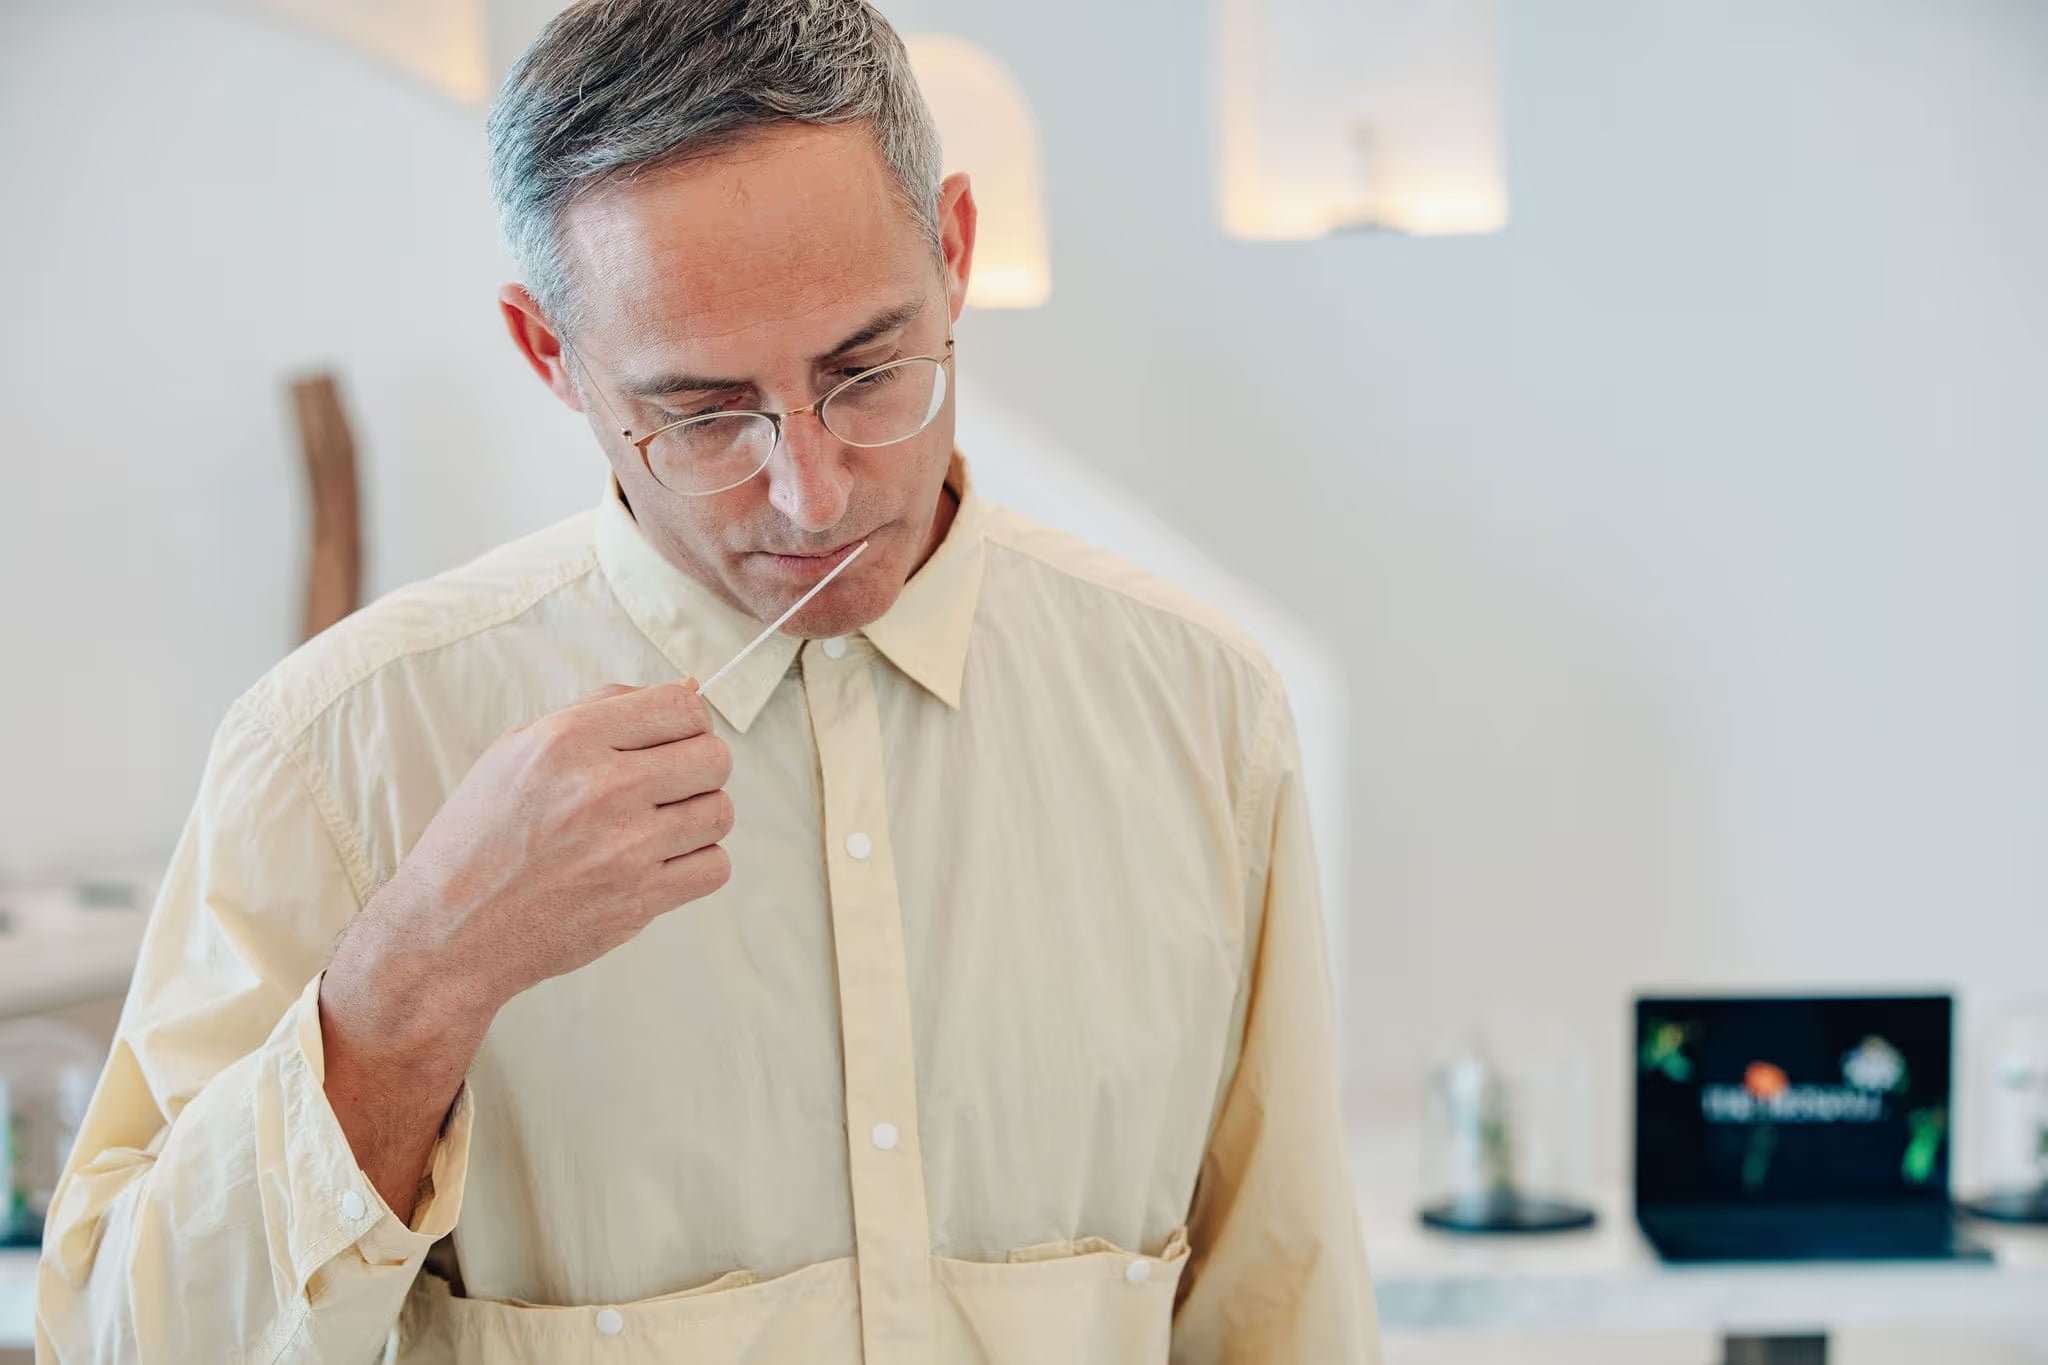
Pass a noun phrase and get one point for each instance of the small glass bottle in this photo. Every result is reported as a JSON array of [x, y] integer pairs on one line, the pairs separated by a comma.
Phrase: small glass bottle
[[2012, 1121], [1507, 1134]]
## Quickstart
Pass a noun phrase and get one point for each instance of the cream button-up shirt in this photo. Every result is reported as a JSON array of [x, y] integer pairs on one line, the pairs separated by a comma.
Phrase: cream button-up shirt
[[1008, 1041]]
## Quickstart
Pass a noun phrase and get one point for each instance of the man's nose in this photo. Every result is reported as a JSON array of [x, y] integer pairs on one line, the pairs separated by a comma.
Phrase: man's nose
[[808, 481]]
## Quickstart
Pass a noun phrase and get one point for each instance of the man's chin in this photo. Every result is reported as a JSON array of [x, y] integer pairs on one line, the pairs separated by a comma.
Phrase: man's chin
[[841, 609]]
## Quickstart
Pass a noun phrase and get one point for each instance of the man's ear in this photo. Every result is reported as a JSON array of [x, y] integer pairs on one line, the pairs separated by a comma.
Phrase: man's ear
[[956, 237], [538, 342]]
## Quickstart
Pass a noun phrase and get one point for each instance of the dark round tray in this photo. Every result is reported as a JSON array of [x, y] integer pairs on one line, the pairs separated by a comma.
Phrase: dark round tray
[[2009, 1206], [1519, 1214]]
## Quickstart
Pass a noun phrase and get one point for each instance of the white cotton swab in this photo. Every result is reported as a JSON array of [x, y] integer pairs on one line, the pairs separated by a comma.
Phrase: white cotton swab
[[819, 587]]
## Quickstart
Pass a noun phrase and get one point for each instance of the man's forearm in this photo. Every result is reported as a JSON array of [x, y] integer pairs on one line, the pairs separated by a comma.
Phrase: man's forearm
[[398, 1042]]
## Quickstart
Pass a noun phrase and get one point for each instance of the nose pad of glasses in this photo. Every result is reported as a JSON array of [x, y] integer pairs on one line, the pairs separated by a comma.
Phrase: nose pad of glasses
[[805, 448], [811, 420]]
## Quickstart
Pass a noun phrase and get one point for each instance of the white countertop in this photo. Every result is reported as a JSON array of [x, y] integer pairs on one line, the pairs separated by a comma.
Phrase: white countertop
[[58, 951], [1607, 1278], [17, 1299]]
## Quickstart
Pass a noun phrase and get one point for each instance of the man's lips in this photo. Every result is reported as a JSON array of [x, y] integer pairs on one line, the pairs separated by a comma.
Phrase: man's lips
[[807, 563], [812, 554]]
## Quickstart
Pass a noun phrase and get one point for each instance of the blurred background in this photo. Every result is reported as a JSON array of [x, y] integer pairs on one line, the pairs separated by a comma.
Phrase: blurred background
[[1623, 420]]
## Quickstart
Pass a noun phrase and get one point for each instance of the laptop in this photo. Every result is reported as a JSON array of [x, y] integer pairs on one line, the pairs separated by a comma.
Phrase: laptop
[[1796, 1129]]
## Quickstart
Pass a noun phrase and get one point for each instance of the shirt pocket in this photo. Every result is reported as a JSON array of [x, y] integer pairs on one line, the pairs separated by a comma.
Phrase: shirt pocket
[[1085, 1302], [811, 1315]]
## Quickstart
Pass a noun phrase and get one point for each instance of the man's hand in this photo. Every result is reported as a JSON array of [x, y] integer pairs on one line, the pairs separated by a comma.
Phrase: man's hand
[[564, 840]]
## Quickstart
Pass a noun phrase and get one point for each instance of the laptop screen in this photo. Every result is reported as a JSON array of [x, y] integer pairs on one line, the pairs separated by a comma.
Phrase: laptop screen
[[1786, 1101]]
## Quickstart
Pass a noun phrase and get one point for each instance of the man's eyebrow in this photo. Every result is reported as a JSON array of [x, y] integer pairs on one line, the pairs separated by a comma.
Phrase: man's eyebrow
[[661, 385], [881, 324]]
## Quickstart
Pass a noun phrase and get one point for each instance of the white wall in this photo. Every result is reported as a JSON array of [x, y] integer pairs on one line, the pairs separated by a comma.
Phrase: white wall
[[1679, 542], [198, 201]]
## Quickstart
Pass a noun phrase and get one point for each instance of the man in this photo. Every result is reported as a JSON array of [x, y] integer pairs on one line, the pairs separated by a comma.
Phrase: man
[[944, 984]]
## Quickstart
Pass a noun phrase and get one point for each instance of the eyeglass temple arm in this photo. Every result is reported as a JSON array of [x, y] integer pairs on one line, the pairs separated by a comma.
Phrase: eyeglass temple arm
[[611, 412]]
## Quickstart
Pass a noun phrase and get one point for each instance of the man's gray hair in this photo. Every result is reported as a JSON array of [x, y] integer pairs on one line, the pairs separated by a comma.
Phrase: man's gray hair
[[612, 88]]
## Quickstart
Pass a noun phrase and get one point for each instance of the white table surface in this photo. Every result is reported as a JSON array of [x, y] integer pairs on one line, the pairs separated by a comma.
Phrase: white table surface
[[17, 1299], [1607, 1278], [56, 952]]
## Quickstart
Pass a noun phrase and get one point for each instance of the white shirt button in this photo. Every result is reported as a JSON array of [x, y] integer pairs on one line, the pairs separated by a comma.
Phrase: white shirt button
[[835, 648], [352, 1206], [1137, 1272], [885, 1136], [859, 845], [610, 1321]]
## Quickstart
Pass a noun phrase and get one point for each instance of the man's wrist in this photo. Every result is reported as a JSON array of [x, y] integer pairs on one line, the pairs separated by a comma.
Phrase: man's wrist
[[393, 1000]]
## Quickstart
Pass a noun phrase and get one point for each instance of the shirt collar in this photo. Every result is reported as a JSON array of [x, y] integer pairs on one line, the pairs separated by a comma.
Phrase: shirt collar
[[924, 634]]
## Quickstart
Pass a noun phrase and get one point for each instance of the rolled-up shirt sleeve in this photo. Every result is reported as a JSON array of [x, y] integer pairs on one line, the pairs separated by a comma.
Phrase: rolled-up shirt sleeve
[[212, 1209]]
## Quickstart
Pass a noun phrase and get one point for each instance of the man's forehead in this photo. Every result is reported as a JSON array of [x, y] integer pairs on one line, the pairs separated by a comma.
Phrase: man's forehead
[[795, 230], [678, 365]]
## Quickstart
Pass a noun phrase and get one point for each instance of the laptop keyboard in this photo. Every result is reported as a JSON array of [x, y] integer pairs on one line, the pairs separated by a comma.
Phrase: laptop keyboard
[[1819, 1233]]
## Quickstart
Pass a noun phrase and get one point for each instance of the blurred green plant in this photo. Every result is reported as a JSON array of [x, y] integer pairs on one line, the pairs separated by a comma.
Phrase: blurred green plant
[[1664, 1050], [1929, 1130], [1756, 1156]]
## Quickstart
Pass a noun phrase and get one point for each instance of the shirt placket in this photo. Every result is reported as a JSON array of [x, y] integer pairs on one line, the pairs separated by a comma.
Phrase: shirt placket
[[884, 1154]]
